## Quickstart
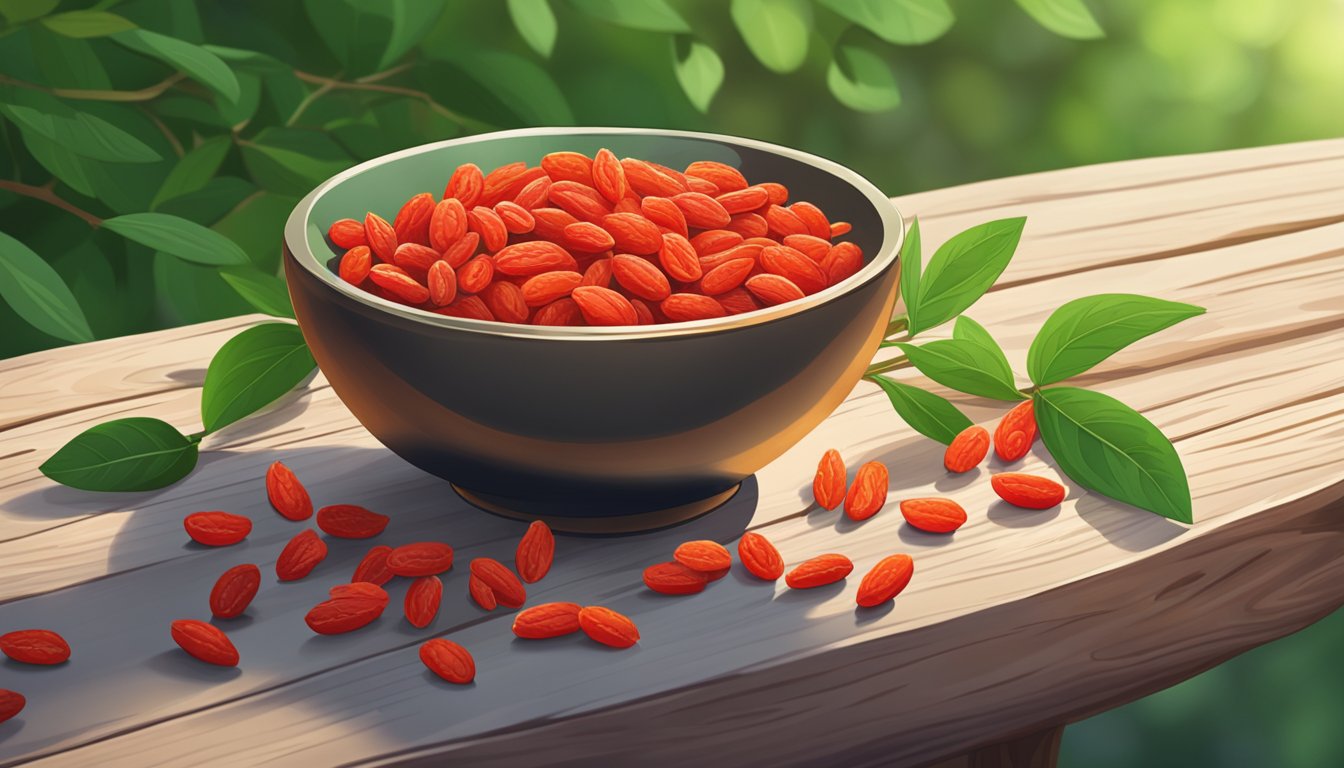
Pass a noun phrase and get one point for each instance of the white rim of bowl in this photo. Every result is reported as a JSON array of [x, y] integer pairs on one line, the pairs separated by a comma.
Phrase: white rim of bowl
[[296, 234]]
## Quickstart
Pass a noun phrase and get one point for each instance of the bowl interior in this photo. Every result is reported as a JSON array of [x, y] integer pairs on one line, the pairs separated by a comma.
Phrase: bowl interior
[[383, 185]]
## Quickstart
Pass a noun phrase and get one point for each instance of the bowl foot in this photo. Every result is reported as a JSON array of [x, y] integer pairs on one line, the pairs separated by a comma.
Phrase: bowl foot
[[610, 524]]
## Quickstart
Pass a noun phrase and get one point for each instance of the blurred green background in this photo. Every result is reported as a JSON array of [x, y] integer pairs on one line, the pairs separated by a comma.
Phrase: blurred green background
[[220, 115]]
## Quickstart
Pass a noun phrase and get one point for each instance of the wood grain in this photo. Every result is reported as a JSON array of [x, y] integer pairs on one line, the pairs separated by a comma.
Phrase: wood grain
[[1021, 621]]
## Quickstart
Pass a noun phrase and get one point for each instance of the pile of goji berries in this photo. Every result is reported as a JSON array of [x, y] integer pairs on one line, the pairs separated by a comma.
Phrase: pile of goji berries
[[596, 241], [491, 583], [351, 606], [695, 564]]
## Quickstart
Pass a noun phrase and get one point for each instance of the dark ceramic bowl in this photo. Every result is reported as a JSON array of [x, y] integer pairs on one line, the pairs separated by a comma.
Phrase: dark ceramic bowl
[[596, 429]]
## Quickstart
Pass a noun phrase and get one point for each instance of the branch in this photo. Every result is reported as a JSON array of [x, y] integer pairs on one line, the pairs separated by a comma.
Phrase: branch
[[144, 94], [366, 84], [46, 195]]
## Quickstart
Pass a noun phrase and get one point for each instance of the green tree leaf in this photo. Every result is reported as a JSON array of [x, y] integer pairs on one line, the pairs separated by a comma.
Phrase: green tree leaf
[[861, 80], [776, 31], [962, 269], [16, 11], [135, 454], [929, 414], [411, 21], [77, 131], [650, 15], [526, 89], [1106, 446], [194, 169], [211, 202], [903, 22], [191, 60], [37, 294], [69, 63], [699, 70], [1086, 331], [535, 22], [178, 237], [65, 165], [964, 366], [292, 161], [1069, 18], [267, 293], [87, 24], [371, 35], [911, 267], [252, 370]]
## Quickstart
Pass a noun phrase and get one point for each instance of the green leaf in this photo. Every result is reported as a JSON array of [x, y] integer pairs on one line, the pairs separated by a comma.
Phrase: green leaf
[[370, 35], [135, 454], [191, 60], [929, 414], [16, 11], [65, 165], [1069, 18], [903, 22], [526, 89], [253, 225], [911, 267], [87, 24], [78, 131], [242, 58], [861, 80], [962, 269], [267, 293], [193, 170], [292, 161], [1086, 331], [37, 294], [650, 15], [969, 331], [178, 237], [411, 21], [776, 31], [208, 204], [1108, 447], [699, 71], [251, 370], [964, 366], [535, 22], [69, 63]]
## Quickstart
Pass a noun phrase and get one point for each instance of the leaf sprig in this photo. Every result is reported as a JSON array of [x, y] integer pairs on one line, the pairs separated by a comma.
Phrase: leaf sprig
[[1098, 442], [251, 370]]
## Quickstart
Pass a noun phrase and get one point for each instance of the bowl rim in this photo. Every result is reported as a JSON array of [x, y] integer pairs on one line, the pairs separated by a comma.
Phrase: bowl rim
[[297, 245]]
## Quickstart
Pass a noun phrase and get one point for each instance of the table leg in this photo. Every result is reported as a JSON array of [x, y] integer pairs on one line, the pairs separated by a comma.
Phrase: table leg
[[1035, 750]]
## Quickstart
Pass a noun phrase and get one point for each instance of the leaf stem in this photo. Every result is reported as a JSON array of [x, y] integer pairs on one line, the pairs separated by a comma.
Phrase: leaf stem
[[897, 325], [894, 364], [147, 93], [46, 195]]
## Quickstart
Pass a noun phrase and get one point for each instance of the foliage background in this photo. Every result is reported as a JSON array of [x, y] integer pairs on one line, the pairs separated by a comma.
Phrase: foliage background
[[248, 104]]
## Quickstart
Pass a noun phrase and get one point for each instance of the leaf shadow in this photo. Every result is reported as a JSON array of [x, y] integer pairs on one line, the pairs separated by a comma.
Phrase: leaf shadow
[[1126, 526]]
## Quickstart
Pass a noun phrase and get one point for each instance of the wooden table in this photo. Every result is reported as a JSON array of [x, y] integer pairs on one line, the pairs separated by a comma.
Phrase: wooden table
[[1021, 622]]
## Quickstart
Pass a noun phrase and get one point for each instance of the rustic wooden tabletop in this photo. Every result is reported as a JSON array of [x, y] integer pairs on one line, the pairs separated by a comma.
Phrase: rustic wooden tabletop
[[1019, 623]]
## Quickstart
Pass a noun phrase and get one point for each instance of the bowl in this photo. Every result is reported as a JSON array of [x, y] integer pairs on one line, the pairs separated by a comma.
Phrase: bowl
[[609, 429]]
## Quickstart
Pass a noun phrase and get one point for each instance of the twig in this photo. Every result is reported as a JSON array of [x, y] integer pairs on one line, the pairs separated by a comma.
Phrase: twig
[[46, 195], [163, 128], [363, 85], [144, 94], [312, 96]]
